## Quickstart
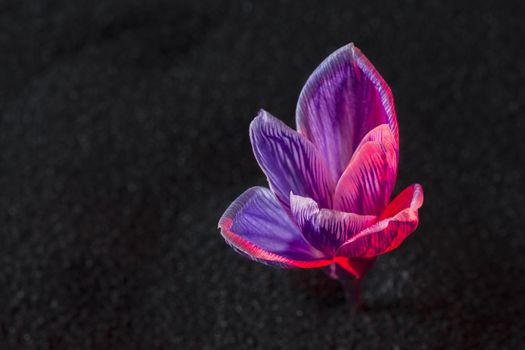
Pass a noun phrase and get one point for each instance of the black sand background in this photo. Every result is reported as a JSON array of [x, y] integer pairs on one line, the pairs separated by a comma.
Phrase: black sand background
[[124, 136]]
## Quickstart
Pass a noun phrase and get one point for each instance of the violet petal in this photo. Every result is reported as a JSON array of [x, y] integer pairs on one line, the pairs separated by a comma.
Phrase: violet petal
[[290, 161], [341, 102], [256, 226]]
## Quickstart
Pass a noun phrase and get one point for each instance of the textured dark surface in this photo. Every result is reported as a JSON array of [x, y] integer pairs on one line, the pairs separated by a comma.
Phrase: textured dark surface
[[124, 136]]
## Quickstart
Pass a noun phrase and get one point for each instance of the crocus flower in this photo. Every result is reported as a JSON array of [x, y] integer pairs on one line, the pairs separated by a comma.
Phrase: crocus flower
[[330, 181]]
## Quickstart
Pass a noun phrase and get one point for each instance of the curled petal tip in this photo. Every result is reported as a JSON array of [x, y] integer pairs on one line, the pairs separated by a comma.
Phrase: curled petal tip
[[262, 113], [353, 50], [417, 200], [261, 116]]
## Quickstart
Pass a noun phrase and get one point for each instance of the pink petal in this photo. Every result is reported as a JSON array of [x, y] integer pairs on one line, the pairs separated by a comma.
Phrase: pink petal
[[290, 161], [390, 232], [341, 102], [367, 183], [257, 227], [326, 229]]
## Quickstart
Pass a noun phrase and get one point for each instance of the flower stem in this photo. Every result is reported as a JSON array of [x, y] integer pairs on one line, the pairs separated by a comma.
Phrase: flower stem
[[350, 283], [352, 290]]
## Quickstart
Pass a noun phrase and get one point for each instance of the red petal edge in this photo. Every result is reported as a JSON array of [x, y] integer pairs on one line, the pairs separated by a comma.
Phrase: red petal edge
[[261, 255]]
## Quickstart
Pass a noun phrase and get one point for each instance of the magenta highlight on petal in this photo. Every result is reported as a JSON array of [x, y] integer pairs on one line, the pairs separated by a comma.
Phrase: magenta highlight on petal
[[330, 181]]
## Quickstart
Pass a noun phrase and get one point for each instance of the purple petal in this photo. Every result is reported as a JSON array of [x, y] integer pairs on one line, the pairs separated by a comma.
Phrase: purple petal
[[326, 229], [341, 102], [388, 233], [256, 226], [290, 162], [367, 183]]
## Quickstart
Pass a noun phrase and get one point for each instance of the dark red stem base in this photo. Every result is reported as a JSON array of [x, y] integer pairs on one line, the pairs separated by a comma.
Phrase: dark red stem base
[[350, 284]]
